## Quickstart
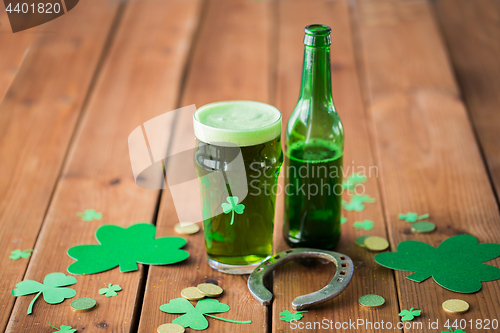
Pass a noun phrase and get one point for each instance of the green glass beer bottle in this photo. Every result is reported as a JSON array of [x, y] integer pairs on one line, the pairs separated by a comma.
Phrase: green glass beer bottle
[[314, 146]]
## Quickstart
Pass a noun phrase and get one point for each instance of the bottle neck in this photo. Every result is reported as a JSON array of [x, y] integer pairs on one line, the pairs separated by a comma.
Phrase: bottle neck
[[316, 77]]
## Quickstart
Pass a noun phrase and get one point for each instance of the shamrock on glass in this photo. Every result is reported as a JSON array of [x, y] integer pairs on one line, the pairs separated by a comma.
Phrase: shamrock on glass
[[51, 289], [232, 207], [194, 317]]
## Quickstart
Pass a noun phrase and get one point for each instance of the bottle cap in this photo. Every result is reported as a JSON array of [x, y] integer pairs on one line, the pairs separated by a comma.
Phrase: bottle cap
[[317, 35]]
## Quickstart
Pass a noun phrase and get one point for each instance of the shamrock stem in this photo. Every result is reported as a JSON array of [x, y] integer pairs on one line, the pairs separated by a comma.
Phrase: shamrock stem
[[302, 311], [52, 326], [30, 308], [232, 217], [229, 320]]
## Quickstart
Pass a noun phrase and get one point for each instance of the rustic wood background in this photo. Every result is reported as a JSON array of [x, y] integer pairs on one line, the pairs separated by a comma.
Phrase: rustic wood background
[[416, 83]]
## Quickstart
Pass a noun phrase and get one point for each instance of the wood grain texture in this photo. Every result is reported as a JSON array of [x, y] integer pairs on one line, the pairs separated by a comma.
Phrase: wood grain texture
[[429, 160], [37, 119], [296, 279], [471, 30], [140, 79], [231, 61], [14, 48]]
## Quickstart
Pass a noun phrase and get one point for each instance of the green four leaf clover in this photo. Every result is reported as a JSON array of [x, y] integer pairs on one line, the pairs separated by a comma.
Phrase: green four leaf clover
[[232, 207], [409, 315], [51, 289], [18, 254], [110, 291], [353, 180], [288, 316], [357, 202], [63, 329], [89, 215], [194, 317], [125, 247]]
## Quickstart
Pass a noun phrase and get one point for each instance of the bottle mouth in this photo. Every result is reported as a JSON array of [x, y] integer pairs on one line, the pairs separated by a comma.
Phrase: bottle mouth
[[317, 35]]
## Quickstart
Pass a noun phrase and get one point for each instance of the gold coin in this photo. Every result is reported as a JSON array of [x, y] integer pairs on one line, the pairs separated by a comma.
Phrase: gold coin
[[192, 294], [375, 243], [83, 304], [187, 229], [170, 328], [210, 290], [455, 306]]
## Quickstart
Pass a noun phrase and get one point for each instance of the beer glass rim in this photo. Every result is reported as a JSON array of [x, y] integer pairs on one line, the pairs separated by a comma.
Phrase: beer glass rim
[[241, 137]]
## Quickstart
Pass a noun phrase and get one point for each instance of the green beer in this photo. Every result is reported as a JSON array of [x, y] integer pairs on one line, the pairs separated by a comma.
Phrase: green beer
[[314, 152], [238, 230]]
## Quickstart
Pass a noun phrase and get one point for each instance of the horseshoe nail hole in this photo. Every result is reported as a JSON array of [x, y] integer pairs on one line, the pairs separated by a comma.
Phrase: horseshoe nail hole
[[260, 269], [289, 251], [342, 258], [344, 265], [267, 263], [343, 273], [340, 279], [277, 257]]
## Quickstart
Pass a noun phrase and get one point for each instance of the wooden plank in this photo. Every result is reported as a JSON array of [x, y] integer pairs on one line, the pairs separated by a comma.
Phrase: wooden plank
[[472, 32], [140, 79], [428, 157], [295, 279], [14, 48], [37, 120], [231, 61]]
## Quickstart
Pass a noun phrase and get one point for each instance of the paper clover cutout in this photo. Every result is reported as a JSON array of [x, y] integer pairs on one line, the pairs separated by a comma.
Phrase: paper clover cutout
[[288, 316], [110, 291], [18, 254], [232, 207], [353, 180], [408, 315], [452, 331], [89, 215], [357, 202], [412, 217], [366, 225], [194, 317], [63, 329], [125, 247], [456, 264], [51, 289]]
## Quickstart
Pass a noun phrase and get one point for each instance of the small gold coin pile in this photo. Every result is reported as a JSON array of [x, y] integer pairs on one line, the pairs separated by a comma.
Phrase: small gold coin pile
[[455, 306], [203, 290], [170, 328], [186, 229], [209, 289], [192, 294], [375, 243]]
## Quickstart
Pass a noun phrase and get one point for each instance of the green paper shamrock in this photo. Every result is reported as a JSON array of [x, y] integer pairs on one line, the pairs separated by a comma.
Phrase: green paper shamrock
[[409, 315], [452, 331], [366, 225], [232, 207], [343, 220], [456, 264], [110, 291], [125, 247], [194, 317], [63, 329], [357, 202], [51, 289], [89, 215], [412, 217], [18, 254], [288, 316], [353, 180]]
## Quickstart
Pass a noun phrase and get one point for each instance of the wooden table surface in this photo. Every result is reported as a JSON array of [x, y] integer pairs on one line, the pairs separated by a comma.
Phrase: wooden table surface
[[417, 87]]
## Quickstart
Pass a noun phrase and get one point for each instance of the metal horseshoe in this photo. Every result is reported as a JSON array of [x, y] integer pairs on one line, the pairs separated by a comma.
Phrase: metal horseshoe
[[340, 281]]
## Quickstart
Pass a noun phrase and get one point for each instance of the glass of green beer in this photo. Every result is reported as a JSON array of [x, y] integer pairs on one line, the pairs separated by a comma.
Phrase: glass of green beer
[[238, 160]]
